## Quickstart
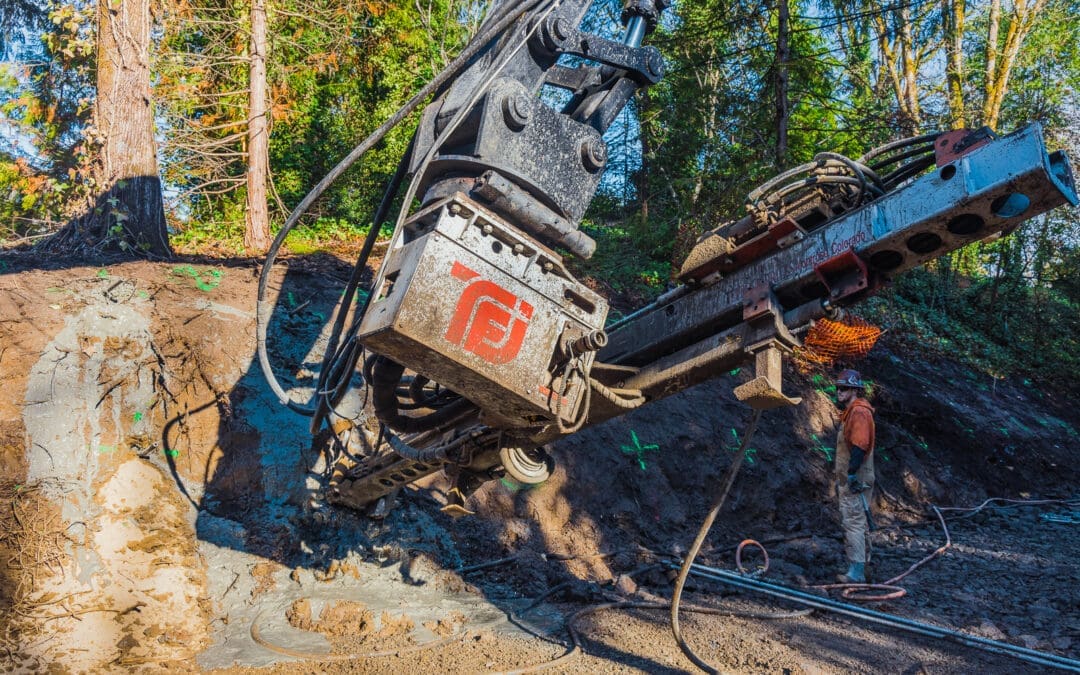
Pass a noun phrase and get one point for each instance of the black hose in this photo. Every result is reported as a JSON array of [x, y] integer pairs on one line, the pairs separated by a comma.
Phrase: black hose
[[718, 503], [425, 455], [896, 159], [338, 380], [385, 375], [902, 143]]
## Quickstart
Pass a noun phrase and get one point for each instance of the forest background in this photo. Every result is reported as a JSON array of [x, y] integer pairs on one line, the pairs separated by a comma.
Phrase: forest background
[[150, 128]]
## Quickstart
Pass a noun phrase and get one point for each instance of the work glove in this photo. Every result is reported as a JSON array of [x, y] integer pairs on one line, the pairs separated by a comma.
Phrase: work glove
[[854, 484]]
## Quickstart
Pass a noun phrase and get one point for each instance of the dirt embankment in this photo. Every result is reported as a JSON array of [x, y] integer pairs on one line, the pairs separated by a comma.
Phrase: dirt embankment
[[158, 502]]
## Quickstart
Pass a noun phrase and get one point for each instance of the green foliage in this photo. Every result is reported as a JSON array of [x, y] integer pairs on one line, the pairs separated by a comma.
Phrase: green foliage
[[204, 280], [44, 90], [1000, 325], [620, 265]]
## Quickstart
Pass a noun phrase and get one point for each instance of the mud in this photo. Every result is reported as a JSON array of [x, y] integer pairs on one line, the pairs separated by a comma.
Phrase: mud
[[158, 503]]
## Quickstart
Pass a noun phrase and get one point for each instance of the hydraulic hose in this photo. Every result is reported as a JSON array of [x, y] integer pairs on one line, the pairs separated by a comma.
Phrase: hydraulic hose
[[385, 376], [426, 455], [343, 361], [684, 571], [627, 399], [902, 143]]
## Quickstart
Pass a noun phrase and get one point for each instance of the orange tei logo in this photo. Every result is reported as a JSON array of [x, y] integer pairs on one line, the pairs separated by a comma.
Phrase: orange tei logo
[[489, 320]]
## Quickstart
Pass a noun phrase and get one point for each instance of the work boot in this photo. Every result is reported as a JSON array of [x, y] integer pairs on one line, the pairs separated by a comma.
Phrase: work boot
[[856, 574]]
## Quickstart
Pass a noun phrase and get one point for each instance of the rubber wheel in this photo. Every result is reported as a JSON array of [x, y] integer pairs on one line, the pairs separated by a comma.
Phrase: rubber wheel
[[527, 466]]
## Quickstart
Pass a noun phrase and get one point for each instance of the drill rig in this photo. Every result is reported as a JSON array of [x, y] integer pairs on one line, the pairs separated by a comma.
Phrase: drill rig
[[477, 345]]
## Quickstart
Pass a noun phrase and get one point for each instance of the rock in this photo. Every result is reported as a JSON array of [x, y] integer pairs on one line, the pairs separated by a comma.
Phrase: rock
[[988, 629], [1030, 641], [1062, 643], [625, 585]]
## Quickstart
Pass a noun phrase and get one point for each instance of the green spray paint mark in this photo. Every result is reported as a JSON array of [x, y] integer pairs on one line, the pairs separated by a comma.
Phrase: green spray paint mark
[[821, 447], [291, 298], [207, 280], [734, 372], [638, 450], [103, 274], [143, 294], [106, 449], [172, 453], [137, 417], [750, 454]]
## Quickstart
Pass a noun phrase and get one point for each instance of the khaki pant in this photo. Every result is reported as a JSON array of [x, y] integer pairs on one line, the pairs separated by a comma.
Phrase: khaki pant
[[856, 529]]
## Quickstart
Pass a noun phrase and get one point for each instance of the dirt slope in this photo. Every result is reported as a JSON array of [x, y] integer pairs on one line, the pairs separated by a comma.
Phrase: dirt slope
[[158, 501]]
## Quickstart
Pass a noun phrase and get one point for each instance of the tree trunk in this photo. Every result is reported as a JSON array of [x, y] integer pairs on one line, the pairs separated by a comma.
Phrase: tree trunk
[[997, 72], [257, 228], [992, 27], [128, 212], [783, 55], [953, 13], [910, 107]]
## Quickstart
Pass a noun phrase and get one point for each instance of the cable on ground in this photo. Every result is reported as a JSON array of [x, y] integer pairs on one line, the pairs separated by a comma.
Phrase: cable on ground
[[575, 637], [888, 590], [890, 620], [684, 571], [760, 571]]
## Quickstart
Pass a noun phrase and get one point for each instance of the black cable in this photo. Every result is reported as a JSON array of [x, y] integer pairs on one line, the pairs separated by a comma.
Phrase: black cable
[[332, 355], [718, 503]]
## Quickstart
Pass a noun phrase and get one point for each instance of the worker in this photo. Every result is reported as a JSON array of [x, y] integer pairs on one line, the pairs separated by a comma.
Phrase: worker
[[854, 471]]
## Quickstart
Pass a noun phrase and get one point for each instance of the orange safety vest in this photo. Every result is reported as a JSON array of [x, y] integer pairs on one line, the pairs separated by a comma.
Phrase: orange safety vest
[[856, 428]]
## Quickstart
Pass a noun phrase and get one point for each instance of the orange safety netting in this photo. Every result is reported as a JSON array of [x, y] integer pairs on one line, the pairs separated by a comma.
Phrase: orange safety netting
[[829, 341]]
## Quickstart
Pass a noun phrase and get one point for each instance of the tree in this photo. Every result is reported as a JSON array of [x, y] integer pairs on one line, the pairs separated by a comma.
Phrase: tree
[[124, 207], [257, 230]]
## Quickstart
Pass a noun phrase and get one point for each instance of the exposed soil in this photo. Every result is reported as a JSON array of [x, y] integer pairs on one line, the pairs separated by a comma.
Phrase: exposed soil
[[160, 509]]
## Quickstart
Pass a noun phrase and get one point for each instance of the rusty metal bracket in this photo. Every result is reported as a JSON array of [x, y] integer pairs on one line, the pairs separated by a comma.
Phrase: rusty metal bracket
[[952, 145], [764, 391], [762, 309], [758, 301], [844, 275]]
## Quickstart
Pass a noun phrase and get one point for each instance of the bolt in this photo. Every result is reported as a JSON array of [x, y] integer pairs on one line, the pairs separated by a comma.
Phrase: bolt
[[518, 249], [486, 229], [655, 63], [560, 29], [516, 110], [454, 209], [547, 266], [593, 154]]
